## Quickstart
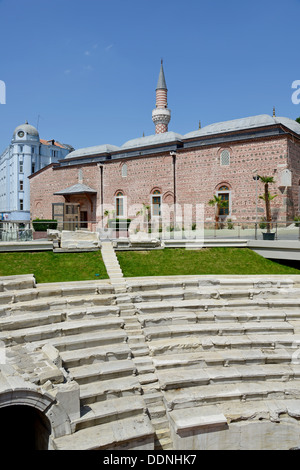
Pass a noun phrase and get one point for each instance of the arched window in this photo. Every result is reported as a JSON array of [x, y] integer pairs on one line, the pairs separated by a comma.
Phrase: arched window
[[156, 203], [124, 170], [225, 158], [119, 204], [224, 193]]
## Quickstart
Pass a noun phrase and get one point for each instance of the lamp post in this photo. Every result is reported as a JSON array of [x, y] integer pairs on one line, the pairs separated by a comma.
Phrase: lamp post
[[256, 178]]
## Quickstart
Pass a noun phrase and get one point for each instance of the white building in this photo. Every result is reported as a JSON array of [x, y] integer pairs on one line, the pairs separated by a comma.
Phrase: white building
[[26, 154]]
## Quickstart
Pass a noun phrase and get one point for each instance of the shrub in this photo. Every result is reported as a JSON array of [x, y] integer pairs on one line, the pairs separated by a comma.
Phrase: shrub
[[297, 220], [42, 225], [230, 225], [263, 223]]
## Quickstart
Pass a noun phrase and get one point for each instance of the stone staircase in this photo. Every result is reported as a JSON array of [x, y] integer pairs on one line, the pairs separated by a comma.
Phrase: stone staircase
[[155, 358], [82, 323], [224, 350]]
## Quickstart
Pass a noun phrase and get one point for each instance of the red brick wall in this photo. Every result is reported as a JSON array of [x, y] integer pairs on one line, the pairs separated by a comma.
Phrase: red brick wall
[[51, 180], [198, 174]]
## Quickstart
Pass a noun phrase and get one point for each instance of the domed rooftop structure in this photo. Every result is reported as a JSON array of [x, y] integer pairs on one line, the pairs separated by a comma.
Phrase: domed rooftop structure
[[155, 139], [25, 131], [244, 123]]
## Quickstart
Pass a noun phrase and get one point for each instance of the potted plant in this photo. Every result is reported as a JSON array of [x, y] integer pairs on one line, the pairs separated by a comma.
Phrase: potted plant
[[219, 203], [268, 197]]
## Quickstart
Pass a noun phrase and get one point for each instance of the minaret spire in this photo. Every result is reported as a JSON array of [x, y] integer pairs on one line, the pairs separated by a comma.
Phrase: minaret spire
[[161, 115]]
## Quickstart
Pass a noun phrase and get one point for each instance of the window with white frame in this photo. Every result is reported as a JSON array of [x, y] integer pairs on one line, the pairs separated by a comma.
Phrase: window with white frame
[[156, 204], [225, 158], [119, 204], [224, 193]]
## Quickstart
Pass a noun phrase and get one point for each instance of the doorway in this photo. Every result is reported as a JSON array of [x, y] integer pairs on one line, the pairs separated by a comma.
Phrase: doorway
[[25, 428]]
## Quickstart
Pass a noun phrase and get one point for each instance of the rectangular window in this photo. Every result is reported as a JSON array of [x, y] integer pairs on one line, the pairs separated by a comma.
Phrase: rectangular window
[[21, 166], [119, 206], [21, 185], [225, 198], [156, 206], [21, 205], [32, 167]]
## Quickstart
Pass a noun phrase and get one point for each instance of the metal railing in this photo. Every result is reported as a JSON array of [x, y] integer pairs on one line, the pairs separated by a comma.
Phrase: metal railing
[[225, 230]]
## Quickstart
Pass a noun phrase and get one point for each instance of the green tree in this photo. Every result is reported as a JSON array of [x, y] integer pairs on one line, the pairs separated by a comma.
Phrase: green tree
[[298, 119], [219, 203], [267, 197]]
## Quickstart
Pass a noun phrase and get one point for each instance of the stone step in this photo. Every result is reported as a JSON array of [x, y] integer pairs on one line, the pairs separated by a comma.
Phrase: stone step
[[235, 394], [113, 388], [102, 371], [19, 282], [115, 434], [86, 340], [219, 329], [57, 303], [187, 306], [169, 318], [180, 345], [202, 293], [223, 358], [186, 378], [67, 328], [39, 293], [110, 352], [27, 320], [110, 410], [157, 412], [160, 424], [155, 283]]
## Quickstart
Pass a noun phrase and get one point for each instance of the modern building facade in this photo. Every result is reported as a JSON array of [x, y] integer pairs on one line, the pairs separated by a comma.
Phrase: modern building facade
[[26, 154], [170, 170]]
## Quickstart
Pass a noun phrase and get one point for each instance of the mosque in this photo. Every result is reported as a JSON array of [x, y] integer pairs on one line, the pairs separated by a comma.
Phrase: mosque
[[168, 169]]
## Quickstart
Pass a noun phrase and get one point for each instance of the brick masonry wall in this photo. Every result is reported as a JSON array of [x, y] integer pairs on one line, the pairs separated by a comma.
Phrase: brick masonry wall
[[198, 176], [51, 180]]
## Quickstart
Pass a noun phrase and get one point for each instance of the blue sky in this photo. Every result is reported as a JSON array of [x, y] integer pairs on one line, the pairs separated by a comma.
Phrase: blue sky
[[85, 71]]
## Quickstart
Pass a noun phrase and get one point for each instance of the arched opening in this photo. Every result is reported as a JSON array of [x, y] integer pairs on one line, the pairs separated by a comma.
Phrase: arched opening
[[24, 428]]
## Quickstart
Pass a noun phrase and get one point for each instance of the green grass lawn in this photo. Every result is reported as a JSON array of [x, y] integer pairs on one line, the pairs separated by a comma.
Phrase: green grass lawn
[[54, 267], [179, 261]]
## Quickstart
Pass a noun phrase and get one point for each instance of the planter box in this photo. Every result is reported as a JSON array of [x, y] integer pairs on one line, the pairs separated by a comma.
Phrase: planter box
[[268, 235]]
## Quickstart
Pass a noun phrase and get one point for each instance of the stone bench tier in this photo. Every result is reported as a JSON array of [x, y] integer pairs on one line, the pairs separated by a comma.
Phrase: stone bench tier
[[122, 434], [173, 318], [231, 392], [68, 328], [96, 354], [110, 410], [223, 358], [209, 329], [112, 388], [182, 378], [180, 345], [102, 371]]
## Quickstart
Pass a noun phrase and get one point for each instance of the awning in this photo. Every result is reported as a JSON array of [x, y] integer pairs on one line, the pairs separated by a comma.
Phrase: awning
[[76, 189]]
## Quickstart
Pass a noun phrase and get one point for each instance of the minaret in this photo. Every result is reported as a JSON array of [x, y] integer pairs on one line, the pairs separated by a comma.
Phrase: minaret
[[161, 115]]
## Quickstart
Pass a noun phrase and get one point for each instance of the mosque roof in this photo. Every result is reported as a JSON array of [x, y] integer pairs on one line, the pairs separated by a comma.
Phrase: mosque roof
[[155, 139], [244, 123], [235, 125], [95, 150]]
